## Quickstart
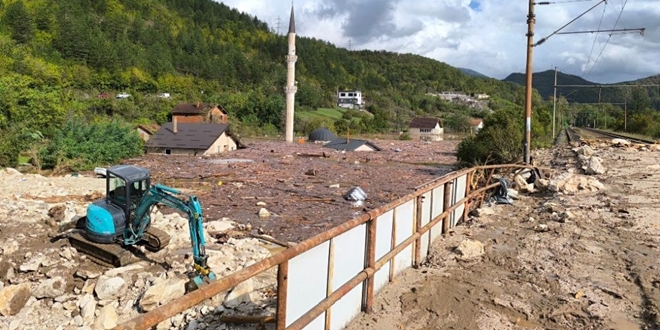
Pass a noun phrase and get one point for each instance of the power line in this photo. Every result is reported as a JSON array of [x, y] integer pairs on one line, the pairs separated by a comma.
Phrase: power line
[[567, 24], [596, 37], [608, 39]]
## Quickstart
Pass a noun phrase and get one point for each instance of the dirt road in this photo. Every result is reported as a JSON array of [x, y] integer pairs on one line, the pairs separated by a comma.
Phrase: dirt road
[[583, 260]]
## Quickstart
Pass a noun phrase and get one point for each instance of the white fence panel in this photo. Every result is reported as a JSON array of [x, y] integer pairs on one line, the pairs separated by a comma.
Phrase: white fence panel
[[426, 218], [458, 193], [436, 210], [383, 246], [405, 222], [307, 284], [346, 306], [349, 260]]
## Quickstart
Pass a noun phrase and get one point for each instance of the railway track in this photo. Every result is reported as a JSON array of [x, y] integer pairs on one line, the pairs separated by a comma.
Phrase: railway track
[[596, 133], [572, 135]]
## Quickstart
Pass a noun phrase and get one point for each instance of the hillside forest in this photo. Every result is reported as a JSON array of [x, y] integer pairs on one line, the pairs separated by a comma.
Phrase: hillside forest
[[62, 63]]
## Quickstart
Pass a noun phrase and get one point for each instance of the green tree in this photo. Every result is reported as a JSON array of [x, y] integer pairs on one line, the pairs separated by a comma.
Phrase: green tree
[[20, 22]]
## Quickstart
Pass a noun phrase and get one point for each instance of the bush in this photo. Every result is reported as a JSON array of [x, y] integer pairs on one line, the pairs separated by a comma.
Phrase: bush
[[499, 142], [82, 146]]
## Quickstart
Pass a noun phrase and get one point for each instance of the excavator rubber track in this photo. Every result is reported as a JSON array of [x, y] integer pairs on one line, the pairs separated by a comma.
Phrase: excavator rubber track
[[118, 255]]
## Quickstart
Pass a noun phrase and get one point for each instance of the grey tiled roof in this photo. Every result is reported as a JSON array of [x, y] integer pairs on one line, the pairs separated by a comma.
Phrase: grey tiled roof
[[188, 136]]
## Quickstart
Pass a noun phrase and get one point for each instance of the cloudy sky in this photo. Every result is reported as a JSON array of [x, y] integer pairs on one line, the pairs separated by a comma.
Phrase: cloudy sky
[[487, 36]]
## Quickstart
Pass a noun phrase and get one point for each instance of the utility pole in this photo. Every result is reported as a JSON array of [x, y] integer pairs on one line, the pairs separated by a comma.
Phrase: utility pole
[[625, 115], [528, 84], [554, 102], [600, 106]]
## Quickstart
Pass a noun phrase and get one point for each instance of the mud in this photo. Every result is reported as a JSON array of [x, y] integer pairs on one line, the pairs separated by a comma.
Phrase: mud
[[552, 261]]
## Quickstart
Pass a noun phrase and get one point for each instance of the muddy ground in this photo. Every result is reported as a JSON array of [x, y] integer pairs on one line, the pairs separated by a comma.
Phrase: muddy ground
[[573, 260], [303, 185]]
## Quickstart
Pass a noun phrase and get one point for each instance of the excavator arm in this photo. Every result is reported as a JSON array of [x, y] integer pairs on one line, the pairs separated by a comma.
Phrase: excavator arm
[[160, 194]]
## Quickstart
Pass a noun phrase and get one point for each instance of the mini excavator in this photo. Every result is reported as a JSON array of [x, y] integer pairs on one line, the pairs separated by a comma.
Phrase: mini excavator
[[122, 220]]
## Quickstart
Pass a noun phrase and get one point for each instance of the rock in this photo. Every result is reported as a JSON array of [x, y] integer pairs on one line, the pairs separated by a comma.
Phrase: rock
[[87, 274], [263, 213], [50, 288], [163, 292], [107, 318], [32, 265], [594, 166], [87, 306], [261, 203], [567, 216], [470, 249], [9, 247], [522, 184], [13, 298], [121, 270], [584, 150], [334, 186], [620, 142], [6, 270], [78, 321], [240, 294], [484, 211], [108, 287], [68, 253], [214, 227], [542, 184], [654, 167]]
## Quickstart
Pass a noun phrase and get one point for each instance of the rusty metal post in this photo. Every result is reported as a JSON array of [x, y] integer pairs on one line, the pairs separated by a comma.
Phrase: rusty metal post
[[282, 286], [446, 206], [468, 185], [371, 263], [418, 226]]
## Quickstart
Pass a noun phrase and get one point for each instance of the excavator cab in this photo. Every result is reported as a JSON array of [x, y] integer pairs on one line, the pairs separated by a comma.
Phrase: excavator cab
[[107, 218]]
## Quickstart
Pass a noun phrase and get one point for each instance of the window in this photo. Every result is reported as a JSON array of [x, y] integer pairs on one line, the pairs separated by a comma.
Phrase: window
[[425, 130], [168, 151], [116, 189], [342, 94]]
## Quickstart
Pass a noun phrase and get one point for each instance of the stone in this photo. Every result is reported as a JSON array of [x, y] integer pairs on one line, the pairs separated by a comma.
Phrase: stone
[[542, 184], [263, 213], [240, 294], [334, 186], [9, 247], [594, 166], [108, 287], [121, 270], [78, 321], [470, 249], [87, 306], [67, 253], [13, 298], [87, 274], [14, 325], [261, 203], [162, 292], [522, 184], [6, 270], [584, 150], [218, 226], [32, 265], [484, 211], [620, 142], [50, 288], [107, 318], [654, 167]]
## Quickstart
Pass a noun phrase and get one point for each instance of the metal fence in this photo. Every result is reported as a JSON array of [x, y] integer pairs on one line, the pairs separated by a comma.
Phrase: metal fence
[[327, 280]]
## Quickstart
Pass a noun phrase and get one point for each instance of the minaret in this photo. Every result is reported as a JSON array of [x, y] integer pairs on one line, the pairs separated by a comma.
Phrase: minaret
[[290, 88]]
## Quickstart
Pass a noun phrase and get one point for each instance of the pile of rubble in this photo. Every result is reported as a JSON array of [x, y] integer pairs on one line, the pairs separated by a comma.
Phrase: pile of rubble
[[49, 285]]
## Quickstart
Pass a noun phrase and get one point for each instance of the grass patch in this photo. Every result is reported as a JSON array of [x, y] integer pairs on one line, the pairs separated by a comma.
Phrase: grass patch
[[332, 113]]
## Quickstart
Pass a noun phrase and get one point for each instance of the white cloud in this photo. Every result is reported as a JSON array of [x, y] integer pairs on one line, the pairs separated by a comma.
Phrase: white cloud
[[490, 39]]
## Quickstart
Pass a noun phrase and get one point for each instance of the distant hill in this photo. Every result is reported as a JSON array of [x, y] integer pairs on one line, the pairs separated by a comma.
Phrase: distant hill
[[543, 82], [473, 73]]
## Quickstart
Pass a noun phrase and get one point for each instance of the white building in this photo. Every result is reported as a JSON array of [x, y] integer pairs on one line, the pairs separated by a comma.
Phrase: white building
[[350, 99]]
